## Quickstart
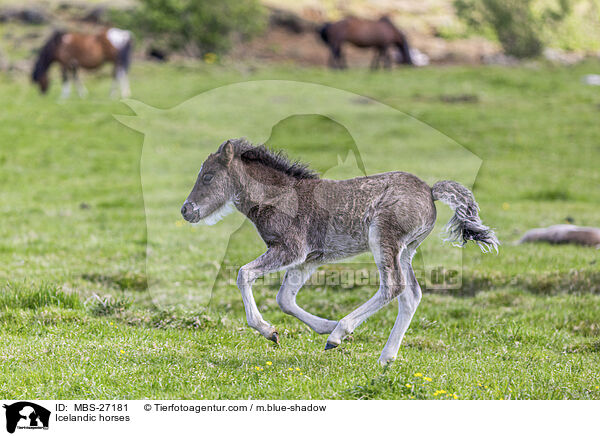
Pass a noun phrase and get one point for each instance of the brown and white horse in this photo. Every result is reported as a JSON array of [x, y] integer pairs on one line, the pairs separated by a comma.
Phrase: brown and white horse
[[379, 34], [77, 50]]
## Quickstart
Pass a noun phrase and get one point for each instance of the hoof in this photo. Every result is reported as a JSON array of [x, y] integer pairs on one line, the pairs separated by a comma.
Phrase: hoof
[[329, 345], [274, 337]]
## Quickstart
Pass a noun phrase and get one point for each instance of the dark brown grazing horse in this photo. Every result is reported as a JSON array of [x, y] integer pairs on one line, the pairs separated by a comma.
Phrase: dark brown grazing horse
[[379, 34], [76, 50]]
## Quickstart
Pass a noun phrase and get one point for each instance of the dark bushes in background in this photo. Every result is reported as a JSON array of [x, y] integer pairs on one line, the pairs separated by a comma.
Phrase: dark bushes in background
[[518, 27], [195, 26]]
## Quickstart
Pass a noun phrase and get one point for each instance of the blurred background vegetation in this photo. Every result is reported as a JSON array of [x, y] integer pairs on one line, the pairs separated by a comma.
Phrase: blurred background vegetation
[[448, 31], [522, 27], [198, 27]]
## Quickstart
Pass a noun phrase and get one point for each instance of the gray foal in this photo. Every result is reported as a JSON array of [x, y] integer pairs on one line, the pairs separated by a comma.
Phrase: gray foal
[[306, 222]]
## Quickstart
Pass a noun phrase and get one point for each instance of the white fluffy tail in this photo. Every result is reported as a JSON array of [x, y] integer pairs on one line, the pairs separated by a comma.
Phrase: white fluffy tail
[[465, 225]]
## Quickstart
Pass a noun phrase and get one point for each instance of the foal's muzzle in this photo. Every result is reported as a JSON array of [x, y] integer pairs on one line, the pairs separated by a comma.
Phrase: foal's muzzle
[[188, 213]]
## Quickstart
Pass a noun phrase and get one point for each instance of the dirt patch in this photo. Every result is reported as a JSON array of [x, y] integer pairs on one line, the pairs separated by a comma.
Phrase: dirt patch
[[122, 281], [459, 98], [585, 347], [280, 44]]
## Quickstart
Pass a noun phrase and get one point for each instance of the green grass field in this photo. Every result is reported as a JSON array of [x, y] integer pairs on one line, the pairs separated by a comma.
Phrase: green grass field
[[77, 320]]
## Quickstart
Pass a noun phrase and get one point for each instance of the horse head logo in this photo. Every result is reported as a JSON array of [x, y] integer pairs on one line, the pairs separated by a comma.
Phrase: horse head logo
[[26, 415]]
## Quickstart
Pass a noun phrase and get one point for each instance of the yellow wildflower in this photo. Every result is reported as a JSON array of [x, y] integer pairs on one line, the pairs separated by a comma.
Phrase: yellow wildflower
[[427, 378], [408, 385], [269, 363], [210, 58], [297, 369], [418, 374]]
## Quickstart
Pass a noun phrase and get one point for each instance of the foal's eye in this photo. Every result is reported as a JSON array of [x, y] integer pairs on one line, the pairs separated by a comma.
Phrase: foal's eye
[[206, 178]]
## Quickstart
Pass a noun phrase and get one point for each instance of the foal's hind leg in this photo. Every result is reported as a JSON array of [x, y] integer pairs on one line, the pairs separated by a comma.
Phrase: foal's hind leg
[[386, 250], [408, 302], [286, 298]]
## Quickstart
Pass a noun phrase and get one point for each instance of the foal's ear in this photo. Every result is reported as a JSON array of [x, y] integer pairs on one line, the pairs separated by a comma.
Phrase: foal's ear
[[226, 153]]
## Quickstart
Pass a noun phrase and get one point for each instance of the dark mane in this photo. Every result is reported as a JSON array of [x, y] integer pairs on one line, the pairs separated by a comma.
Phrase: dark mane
[[272, 159], [46, 56]]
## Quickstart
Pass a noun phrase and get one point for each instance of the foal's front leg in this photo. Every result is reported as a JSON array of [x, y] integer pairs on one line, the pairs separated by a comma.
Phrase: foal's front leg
[[272, 260], [286, 298]]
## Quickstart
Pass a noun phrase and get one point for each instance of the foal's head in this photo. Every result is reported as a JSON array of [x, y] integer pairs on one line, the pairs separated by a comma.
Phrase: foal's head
[[213, 193]]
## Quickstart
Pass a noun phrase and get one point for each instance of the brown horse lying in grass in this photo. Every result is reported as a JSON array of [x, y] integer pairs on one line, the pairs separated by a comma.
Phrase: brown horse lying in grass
[[76, 50], [379, 34], [564, 234]]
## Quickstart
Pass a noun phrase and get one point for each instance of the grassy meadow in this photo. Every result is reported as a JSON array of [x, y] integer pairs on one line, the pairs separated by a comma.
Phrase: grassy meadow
[[77, 319]]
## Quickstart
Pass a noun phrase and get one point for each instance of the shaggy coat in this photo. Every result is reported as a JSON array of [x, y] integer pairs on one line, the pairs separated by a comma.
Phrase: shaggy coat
[[306, 221]]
